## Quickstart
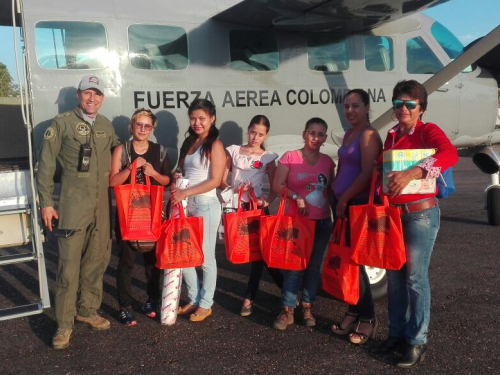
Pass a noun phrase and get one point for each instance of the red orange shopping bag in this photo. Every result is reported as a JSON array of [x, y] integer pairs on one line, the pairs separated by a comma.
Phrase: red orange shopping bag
[[181, 242], [377, 233], [241, 233], [139, 209], [286, 242], [340, 274]]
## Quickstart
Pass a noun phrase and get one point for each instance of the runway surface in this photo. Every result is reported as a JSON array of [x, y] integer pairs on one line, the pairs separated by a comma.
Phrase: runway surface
[[463, 336]]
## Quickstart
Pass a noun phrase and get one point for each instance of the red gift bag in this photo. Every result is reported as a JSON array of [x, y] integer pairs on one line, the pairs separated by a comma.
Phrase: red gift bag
[[241, 232], [181, 242], [139, 209], [286, 241], [377, 233], [340, 274]]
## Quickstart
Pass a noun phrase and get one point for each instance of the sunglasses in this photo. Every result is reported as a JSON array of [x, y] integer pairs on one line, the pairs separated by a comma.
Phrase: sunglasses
[[145, 127], [410, 104]]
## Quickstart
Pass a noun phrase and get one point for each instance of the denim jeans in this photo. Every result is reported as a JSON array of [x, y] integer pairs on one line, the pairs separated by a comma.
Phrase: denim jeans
[[209, 208], [311, 275], [409, 292]]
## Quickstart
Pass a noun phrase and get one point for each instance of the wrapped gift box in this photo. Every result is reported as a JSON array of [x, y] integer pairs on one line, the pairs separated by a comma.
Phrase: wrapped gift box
[[401, 160]]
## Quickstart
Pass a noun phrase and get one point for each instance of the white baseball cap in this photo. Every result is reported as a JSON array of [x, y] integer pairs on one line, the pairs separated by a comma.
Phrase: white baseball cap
[[91, 82]]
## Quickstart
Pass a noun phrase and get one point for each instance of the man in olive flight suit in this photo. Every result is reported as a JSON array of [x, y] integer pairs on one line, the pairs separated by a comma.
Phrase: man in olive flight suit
[[81, 140]]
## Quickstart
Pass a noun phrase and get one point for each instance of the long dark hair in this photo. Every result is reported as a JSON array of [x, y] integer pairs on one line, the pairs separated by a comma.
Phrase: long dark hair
[[260, 120], [208, 107], [363, 95]]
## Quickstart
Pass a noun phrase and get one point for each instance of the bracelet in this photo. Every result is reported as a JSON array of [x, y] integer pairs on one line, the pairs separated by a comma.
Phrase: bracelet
[[129, 167]]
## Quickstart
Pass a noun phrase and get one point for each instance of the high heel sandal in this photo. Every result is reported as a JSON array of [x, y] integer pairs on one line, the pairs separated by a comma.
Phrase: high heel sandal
[[349, 320], [357, 337]]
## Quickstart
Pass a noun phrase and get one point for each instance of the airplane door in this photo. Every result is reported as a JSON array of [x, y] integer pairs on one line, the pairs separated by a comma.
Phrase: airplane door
[[443, 106]]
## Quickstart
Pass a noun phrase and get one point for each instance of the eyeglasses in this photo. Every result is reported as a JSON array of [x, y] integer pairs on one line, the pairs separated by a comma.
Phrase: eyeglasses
[[142, 126], [410, 104]]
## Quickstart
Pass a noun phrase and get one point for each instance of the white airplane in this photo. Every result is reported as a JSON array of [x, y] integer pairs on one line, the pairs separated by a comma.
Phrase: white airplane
[[288, 59]]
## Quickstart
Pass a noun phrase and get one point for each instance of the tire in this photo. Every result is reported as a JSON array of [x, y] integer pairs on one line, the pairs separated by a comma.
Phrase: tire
[[493, 206], [378, 282]]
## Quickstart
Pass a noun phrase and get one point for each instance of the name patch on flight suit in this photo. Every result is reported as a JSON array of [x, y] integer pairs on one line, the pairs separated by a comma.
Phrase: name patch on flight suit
[[49, 133], [100, 134], [64, 114], [82, 128]]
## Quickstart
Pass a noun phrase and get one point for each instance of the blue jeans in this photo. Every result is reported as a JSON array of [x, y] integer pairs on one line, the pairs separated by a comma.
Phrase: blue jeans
[[209, 208], [311, 275], [409, 292]]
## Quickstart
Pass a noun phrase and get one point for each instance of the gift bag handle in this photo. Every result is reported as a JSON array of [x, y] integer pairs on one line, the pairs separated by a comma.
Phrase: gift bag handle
[[385, 201], [283, 198], [253, 199], [338, 234], [180, 208], [134, 175]]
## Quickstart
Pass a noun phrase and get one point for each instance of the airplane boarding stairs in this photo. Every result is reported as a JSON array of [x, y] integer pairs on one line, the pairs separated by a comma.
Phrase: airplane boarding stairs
[[20, 232]]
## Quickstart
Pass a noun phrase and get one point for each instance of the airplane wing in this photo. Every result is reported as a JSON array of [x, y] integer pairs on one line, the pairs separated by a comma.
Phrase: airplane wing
[[346, 16]]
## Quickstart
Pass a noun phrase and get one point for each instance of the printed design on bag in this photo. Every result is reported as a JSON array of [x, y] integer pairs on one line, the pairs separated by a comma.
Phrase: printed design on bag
[[140, 201], [248, 227], [380, 224], [334, 263], [288, 234], [181, 237]]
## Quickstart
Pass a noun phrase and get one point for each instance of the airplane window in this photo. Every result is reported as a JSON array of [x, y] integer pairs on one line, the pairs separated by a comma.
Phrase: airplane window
[[420, 59], [158, 47], [253, 50], [327, 52], [71, 45], [449, 42], [379, 54]]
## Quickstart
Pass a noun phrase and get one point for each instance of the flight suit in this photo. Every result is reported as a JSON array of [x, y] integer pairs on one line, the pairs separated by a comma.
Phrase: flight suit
[[83, 205]]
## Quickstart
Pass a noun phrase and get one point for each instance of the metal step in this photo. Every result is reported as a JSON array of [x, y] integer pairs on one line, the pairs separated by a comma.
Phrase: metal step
[[20, 311], [12, 210], [16, 258]]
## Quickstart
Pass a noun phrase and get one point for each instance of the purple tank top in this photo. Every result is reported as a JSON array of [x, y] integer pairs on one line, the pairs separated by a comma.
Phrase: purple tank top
[[350, 161]]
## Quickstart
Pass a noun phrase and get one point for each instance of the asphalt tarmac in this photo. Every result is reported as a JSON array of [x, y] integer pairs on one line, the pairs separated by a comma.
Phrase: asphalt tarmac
[[463, 335]]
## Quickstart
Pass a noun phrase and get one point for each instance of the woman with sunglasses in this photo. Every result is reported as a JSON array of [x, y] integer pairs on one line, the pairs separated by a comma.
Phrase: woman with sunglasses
[[409, 294], [152, 161], [357, 155]]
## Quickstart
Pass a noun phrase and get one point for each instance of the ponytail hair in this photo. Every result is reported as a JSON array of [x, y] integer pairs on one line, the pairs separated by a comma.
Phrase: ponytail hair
[[260, 120], [206, 148]]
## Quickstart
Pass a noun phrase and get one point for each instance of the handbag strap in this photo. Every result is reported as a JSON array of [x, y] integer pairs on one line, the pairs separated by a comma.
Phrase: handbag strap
[[134, 175]]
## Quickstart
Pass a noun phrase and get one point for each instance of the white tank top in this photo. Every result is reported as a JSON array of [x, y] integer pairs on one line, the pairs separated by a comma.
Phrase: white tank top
[[197, 171]]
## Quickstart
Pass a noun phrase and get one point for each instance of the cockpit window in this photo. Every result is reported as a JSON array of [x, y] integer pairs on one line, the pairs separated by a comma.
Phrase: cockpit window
[[327, 52], [449, 42], [420, 59], [253, 50], [71, 45], [379, 54], [157, 47]]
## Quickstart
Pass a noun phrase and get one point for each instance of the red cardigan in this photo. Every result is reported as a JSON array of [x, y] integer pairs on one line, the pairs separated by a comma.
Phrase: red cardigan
[[432, 136]]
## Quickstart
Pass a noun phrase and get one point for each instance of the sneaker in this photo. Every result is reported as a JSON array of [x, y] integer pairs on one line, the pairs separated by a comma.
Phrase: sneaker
[[284, 319], [149, 308], [60, 340], [126, 317], [307, 316], [95, 321]]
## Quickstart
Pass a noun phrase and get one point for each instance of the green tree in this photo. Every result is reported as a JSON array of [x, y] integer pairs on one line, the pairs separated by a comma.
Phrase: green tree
[[7, 86]]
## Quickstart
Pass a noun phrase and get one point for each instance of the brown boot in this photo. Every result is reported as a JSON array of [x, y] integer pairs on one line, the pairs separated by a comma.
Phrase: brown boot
[[95, 321], [284, 319], [307, 316], [60, 340]]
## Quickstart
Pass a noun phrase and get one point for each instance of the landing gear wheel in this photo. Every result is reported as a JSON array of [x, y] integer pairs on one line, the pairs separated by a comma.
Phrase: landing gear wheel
[[493, 206], [378, 282]]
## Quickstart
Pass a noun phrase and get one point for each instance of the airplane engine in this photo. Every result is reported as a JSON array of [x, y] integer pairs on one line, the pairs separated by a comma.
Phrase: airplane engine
[[488, 161]]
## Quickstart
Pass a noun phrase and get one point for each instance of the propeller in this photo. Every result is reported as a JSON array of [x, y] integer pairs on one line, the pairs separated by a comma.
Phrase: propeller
[[469, 57]]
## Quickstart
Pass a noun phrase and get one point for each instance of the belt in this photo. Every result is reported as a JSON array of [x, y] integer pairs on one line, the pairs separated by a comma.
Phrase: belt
[[418, 205]]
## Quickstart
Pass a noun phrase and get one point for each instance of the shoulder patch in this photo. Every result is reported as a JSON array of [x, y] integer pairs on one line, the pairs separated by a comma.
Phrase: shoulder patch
[[64, 114], [82, 128], [49, 133]]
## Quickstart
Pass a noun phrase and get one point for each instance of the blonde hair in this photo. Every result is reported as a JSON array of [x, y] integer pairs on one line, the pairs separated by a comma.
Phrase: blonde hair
[[142, 112]]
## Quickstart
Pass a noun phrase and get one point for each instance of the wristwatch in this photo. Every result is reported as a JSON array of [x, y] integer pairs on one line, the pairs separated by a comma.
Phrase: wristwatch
[[294, 197]]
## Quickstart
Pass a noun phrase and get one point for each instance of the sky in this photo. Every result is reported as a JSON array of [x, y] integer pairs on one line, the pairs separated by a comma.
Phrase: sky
[[467, 19]]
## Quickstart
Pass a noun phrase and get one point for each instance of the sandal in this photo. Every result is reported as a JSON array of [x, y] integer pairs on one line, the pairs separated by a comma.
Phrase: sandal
[[246, 308], [366, 329], [347, 325]]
